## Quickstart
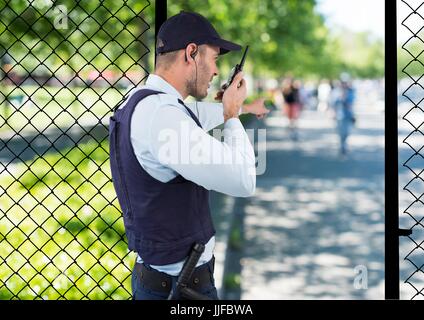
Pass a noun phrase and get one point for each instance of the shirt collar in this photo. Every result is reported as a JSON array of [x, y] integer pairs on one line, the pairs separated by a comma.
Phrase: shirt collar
[[161, 84]]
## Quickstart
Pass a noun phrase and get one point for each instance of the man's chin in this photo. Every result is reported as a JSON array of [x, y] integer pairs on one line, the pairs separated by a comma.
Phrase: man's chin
[[200, 96]]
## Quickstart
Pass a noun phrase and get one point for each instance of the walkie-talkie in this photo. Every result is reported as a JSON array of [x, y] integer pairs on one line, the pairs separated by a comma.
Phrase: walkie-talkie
[[235, 70]]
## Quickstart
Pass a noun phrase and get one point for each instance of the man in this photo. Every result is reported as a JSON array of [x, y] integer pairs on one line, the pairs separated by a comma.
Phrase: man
[[160, 175]]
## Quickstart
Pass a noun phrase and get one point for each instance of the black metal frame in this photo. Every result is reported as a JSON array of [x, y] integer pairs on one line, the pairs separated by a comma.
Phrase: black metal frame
[[391, 155], [160, 17]]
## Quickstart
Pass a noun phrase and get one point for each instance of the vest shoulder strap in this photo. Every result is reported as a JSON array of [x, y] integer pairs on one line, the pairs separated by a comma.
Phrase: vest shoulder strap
[[137, 97], [192, 115]]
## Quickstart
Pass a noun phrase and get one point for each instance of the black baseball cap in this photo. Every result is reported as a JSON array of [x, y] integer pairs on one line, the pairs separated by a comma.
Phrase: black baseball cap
[[189, 27]]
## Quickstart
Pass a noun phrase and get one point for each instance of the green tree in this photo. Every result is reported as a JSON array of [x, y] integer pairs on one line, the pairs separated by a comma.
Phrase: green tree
[[282, 34], [74, 36], [284, 37], [363, 54]]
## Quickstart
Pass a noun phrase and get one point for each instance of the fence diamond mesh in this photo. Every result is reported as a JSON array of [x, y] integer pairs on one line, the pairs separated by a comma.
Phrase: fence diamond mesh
[[65, 65], [413, 24]]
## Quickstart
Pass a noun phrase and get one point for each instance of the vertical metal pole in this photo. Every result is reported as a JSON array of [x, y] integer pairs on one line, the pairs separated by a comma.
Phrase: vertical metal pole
[[160, 17], [391, 154]]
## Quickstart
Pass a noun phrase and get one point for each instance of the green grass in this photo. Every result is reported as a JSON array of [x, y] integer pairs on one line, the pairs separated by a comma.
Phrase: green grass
[[34, 107], [232, 281], [235, 239], [61, 233]]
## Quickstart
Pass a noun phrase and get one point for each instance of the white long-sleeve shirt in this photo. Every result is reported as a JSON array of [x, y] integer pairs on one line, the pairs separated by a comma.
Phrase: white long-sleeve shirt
[[168, 142]]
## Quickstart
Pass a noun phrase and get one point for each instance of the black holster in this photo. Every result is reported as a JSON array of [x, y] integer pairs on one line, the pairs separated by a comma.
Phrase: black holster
[[182, 289]]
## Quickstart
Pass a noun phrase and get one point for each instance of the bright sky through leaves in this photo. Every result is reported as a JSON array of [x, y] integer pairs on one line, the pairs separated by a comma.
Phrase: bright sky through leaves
[[356, 15]]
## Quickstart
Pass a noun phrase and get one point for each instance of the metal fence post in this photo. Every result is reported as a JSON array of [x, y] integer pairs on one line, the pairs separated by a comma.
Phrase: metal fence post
[[160, 17], [391, 155]]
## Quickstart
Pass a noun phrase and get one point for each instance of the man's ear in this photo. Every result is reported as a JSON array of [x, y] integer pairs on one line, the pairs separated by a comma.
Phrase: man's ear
[[193, 52]]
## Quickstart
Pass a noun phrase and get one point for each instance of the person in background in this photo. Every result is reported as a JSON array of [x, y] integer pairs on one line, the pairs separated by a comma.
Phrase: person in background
[[344, 98], [292, 105]]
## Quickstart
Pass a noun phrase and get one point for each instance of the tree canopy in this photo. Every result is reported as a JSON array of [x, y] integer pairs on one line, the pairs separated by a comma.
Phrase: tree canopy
[[285, 37]]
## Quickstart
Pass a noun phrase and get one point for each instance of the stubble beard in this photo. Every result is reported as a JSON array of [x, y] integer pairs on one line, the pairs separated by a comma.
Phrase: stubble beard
[[194, 86]]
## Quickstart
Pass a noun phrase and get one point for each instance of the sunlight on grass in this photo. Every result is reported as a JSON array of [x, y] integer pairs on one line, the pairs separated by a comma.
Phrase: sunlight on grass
[[61, 232], [41, 108]]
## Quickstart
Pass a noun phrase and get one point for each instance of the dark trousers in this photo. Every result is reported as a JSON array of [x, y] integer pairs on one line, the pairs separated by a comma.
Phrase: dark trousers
[[141, 290]]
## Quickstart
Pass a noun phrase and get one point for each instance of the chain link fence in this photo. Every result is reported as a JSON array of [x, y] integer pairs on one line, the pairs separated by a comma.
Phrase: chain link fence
[[413, 24], [65, 65]]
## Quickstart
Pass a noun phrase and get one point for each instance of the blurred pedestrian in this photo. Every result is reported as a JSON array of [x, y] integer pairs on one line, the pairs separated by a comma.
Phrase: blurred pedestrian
[[345, 118], [292, 105]]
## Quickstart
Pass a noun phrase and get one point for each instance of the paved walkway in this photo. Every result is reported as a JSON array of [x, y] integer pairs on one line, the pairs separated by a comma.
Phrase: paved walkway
[[317, 221]]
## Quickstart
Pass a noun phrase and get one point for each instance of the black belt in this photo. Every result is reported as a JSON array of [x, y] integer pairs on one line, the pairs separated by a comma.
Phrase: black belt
[[161, 282]]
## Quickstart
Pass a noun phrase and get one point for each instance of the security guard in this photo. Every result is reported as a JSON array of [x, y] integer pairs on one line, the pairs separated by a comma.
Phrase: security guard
[[163, 161]]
